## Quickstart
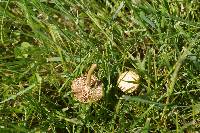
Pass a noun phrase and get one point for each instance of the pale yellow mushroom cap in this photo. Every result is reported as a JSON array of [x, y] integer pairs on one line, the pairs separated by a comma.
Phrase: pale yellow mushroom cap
[[128, 81]]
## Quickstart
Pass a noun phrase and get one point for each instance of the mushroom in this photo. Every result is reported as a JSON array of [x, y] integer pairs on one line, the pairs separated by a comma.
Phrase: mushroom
[[128, 81], [87, 88]]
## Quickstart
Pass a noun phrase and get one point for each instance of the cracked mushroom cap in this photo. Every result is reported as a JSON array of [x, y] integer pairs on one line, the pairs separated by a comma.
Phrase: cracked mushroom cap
[[87, 88], [128, 81]]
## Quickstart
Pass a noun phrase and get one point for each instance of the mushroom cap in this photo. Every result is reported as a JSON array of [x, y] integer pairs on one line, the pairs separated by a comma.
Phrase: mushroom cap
[[85, 93], [128, 81]]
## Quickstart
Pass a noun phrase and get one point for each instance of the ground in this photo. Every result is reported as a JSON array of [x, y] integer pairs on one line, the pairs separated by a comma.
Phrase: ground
[[46, 44]]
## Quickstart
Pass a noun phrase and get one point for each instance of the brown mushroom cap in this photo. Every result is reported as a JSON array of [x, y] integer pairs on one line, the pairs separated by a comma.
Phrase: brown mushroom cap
[[87, 90]]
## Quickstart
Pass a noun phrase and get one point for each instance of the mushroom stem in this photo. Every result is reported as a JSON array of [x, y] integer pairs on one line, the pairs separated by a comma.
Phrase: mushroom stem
[[88, 79]]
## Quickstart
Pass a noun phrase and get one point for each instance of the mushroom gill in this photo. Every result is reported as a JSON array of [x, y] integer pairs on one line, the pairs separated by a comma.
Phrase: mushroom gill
[[87, 88]]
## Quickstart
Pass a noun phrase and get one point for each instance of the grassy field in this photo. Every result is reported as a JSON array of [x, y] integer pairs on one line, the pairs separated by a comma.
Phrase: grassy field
[[45, 44]]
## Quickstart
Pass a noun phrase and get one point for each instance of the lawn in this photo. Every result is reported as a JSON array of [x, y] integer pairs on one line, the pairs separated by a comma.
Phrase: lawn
[[46, 44]]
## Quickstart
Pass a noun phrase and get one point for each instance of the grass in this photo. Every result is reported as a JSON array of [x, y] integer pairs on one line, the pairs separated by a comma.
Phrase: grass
[[45, 45]]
